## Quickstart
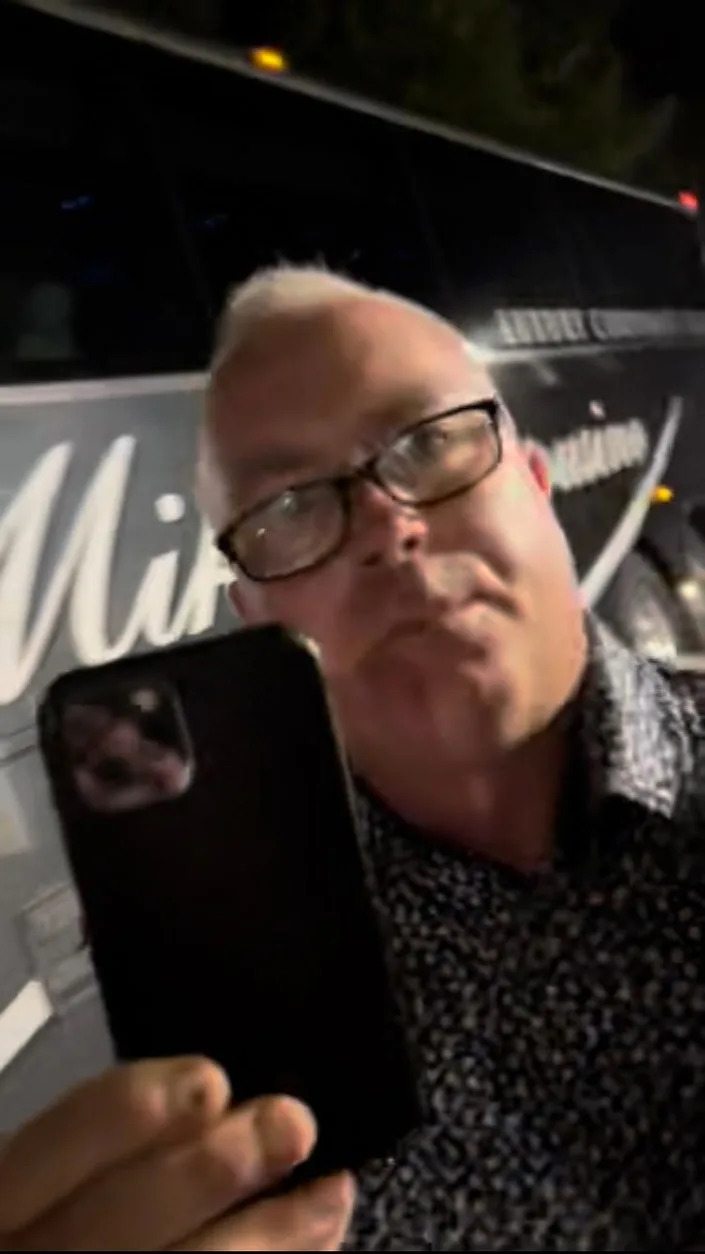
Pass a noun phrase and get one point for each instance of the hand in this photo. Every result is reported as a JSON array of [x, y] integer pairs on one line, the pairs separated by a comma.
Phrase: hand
[[151, 1157]]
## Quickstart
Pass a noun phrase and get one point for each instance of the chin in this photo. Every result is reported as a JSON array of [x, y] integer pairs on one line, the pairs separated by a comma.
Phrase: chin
[[446, 670], [436, 695], [472, 715], [461, 655]]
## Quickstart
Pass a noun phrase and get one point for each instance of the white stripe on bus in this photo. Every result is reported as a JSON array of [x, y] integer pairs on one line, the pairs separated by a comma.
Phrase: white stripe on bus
[[627, 530], [26, 1015]]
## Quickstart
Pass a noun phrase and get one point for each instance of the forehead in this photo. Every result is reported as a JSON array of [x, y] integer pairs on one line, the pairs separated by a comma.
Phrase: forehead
[[319, 385]]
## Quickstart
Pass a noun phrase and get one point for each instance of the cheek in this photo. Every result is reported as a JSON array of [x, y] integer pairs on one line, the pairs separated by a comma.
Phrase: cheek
[[518, 519], [531, 541], [507, 522], [314, 605]]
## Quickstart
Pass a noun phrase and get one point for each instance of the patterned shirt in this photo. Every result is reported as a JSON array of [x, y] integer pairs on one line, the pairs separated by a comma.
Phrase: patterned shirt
[[557, 1020]]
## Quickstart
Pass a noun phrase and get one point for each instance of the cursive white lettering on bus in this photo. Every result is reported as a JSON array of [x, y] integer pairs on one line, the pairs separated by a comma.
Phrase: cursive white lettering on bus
[[82, 576]]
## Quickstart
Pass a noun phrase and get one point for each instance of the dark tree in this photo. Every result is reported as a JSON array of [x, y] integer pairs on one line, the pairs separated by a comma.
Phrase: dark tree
[[545, 75]]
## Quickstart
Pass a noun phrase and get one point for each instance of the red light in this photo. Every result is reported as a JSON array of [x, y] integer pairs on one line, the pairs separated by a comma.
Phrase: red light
[[689, 201]]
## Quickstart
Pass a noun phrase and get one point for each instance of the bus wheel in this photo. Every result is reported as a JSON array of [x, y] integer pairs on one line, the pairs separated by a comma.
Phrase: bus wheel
[[643, 611], [692, 587]]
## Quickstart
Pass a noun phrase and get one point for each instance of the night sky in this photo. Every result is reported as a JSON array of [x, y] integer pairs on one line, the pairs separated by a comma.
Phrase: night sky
[[663, 47], [660, 39]]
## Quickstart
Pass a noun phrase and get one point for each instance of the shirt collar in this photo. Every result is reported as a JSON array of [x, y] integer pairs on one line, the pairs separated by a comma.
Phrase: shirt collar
[[633, 735], [636, 726]]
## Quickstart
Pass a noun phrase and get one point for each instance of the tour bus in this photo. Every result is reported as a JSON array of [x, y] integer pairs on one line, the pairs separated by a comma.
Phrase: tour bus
[[141, 175]]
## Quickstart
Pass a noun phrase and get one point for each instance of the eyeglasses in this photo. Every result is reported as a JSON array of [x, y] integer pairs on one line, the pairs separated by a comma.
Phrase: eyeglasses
[[304, 526]]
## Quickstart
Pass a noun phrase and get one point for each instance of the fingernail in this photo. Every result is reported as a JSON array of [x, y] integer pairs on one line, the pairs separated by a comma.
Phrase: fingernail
[[330, 1196], [199, 1087], [189, 1093], [286, 1138]]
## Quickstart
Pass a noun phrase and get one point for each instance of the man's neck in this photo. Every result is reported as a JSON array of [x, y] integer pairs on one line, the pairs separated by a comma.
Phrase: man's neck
[[504, 811]]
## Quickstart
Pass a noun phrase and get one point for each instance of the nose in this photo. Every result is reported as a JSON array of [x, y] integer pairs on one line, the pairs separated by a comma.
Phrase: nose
[[384, 532]]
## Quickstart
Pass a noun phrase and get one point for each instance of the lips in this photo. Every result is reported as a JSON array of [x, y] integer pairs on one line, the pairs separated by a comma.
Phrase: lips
[[433, 614], [452, 600]]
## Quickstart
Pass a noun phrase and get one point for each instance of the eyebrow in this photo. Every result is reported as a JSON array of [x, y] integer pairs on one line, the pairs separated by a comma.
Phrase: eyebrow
[[293, 460], [412, 404], [255, 472], [276, 461]]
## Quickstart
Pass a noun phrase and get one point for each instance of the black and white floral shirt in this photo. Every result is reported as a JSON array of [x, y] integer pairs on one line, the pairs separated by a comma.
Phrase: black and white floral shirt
[[558, 1021]]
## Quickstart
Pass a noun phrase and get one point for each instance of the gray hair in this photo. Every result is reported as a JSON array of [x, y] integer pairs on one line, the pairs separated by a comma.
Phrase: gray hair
[[283, 290], [250, 307]]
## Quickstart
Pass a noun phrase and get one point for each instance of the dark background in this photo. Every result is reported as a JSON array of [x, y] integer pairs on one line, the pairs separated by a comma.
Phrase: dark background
[[611, 86]]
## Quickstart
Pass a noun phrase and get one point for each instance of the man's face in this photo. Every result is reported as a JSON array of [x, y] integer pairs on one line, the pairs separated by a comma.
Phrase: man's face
[[459, 621]]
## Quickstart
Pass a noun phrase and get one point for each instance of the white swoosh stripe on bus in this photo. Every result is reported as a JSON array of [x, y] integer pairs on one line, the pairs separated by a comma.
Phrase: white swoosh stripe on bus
[[625, 533], [20, 1021], [99, 389]]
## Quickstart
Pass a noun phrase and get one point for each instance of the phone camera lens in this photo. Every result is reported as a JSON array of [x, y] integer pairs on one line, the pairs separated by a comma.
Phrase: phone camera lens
[[112, 771]]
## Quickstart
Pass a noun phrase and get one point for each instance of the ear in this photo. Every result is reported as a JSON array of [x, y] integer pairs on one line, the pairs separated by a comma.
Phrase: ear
[[537, 461]]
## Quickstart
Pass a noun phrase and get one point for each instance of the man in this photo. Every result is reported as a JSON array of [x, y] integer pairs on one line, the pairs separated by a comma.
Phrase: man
[[532, 802]]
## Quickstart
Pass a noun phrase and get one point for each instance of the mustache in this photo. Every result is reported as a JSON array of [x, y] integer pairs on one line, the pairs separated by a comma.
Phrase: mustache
[[417, 596], [446, 585]]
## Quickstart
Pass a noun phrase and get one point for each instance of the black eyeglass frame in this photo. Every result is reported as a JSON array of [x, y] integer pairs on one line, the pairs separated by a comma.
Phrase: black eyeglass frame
[[343, 485]]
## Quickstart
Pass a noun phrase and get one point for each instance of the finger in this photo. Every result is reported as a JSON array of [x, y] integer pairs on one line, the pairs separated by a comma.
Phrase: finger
[[173, 1191], [104, 1122], [313, 1218]]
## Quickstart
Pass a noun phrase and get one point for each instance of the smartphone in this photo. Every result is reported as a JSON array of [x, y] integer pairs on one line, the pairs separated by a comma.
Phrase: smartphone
[[209, 821]]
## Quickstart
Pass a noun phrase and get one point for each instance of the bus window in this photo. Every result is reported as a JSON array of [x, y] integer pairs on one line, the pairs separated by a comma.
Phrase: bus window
[[495, 224], [629, 251], [264, 174], [90, 282]]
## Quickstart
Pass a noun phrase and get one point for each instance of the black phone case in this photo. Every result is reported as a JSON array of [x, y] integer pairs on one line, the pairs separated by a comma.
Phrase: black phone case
[[234, 920]]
